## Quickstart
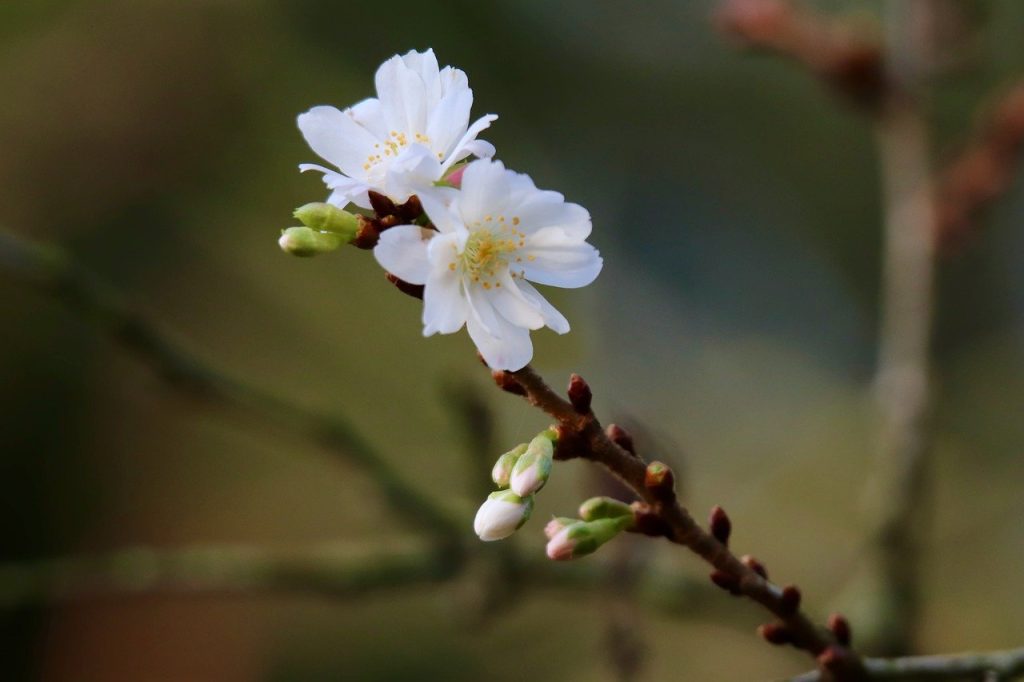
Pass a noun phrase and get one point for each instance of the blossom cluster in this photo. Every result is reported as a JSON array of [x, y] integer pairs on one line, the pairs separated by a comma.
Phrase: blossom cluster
[[472, 233]]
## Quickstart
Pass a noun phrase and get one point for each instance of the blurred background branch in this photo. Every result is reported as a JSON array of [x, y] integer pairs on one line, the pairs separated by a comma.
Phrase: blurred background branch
[[52, 271]]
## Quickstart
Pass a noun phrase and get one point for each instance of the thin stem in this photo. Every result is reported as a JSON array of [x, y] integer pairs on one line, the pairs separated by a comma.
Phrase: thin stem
[[974, 667], [51, 271]]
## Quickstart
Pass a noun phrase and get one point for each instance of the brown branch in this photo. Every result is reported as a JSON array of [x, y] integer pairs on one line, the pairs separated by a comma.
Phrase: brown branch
[[581, 435], [981, 172], [843, 56], [995, 666]]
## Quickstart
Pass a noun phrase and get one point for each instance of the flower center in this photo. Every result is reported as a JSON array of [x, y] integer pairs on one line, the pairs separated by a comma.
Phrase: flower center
[[488, 251]]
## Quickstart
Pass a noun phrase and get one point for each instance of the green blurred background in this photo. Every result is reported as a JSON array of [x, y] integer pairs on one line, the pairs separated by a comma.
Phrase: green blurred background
[[735, 202]]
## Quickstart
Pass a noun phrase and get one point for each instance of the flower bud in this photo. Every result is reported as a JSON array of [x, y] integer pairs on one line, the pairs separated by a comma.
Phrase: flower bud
[[531, 471], [305, 242], [604, 508], [502, 470], [583, 537], [556, 524], [501, 514], [327, 218]]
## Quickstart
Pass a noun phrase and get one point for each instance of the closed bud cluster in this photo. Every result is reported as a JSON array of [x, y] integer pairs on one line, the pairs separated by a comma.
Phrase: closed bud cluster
[[532, 469], [520, 473], [324, 228], [501, 514]]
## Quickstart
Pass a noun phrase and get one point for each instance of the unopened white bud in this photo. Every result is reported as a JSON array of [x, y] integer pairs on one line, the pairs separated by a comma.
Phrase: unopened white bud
[[501, 514], [532, 470], [502, 471]]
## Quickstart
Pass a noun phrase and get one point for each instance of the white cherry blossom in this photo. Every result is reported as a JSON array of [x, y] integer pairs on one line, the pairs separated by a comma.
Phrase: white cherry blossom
[[404, 139], [495, 235]]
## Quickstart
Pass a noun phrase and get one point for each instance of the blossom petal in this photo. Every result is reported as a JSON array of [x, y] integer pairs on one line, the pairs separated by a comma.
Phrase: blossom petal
[[424, 65], [370, 114], [337, 138], [561, 263], [403, 96], [511, 351], [549, 209], [552, 318], [402, 251], [444, 304], [437, 203], [485, 190], [414, 171], [511, 304], [448, 121], [460, 151], [452, 80]]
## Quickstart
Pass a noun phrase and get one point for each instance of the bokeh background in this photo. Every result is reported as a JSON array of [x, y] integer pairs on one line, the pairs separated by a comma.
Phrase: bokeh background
[[736, 203]]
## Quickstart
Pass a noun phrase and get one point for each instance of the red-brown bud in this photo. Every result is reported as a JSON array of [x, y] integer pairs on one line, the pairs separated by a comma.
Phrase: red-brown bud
[[775, 633], [720, 525], [840, 627], [579, 394], [414, 290], [833, 659], [382, 206], [368, 233], [754, 565], [727, 581], [506, 382], [659, 479], [621, 437], [790, 600], [410, 210]]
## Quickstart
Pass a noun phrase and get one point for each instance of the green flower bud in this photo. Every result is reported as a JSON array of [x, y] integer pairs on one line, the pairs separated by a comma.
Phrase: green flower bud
[[502, 470], [327, 218], [532, 470], [305, 242], [584, 537], [604, 508]]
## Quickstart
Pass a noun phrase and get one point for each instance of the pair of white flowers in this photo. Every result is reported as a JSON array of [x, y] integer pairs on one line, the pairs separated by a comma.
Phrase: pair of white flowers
[[495, 232]]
